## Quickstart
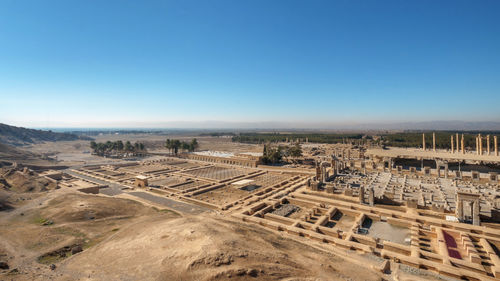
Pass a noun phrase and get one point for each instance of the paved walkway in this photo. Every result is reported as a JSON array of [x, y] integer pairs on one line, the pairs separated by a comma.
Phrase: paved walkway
[[169, 203], [112, 189]]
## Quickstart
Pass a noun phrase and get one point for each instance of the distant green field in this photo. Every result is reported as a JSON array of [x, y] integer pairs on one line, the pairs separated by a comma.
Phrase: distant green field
[[279, 137], [406, 139], [443, 139]]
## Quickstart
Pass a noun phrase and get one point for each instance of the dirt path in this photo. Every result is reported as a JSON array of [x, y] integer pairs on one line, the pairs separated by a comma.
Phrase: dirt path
[[171, 204]]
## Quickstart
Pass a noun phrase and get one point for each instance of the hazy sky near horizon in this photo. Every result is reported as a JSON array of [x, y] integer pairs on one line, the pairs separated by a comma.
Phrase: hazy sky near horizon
[[128, 63]]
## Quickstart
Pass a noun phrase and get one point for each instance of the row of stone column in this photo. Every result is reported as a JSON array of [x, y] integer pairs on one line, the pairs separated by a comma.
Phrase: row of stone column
[[433, 141], [460, 145], [458, 148], [297, 140], [479, 144]]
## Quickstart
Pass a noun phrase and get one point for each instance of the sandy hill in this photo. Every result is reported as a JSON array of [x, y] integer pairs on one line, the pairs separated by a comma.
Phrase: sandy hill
[[10, 152], [66, 235], [204, 248], [22, 136]]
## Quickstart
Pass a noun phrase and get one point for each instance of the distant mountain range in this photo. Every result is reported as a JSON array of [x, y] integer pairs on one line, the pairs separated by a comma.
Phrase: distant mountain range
[[21, 136], [428, 125], [324, 125], [18, 136]]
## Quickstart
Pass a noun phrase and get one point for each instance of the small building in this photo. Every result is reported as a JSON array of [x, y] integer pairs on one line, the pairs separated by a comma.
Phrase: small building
[[141, 181]]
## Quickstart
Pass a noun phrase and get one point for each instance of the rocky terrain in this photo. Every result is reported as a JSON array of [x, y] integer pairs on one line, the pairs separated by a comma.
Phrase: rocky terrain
[[66, 235], [24, 180], [10, 154], [206, 247]]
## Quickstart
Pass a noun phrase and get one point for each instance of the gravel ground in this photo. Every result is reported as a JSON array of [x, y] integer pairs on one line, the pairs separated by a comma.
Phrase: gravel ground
[[286, 210]]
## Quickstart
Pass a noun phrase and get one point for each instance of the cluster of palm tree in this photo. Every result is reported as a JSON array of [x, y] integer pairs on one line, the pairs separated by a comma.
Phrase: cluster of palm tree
[[115, 147], [272, 155], [275, 155], [175, 145]]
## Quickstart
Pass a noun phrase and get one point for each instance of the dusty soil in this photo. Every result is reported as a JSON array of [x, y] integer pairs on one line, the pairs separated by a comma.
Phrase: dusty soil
[[43, 224], [68, 152], [20, 155], [19, 181], [78, 152], [122, 239], [205, 247]]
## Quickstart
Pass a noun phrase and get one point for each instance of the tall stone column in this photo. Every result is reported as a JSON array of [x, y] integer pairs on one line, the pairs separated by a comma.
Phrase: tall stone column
[[458, 145], [477, 145], [496, 145], [452, 145], [475, 213], [463, 145], [434, 142], [318, 172], [480, 138], [362, 194], [371, 196], [459, 210], [325, 174], [488, 145], [423, 142]]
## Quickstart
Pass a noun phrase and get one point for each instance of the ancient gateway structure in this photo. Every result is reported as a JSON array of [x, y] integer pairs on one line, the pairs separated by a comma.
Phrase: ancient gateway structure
[[473, 201]]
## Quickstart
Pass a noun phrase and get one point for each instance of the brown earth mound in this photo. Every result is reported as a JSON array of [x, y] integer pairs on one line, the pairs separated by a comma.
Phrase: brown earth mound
[[8, 152], [31, 246], [79, 207], [205, 248], [12, 179]]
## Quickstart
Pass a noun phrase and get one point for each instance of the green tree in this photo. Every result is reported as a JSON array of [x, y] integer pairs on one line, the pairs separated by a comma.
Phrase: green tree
[[93, 145], [272, 155], [101, 149], [175, 146], [295, 151], [128, 146], [109, 145], [185, 146], [168, 145], [119, 145], [193, 145]]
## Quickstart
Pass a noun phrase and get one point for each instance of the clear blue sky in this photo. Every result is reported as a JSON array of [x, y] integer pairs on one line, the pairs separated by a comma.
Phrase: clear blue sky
[[124, 63]]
